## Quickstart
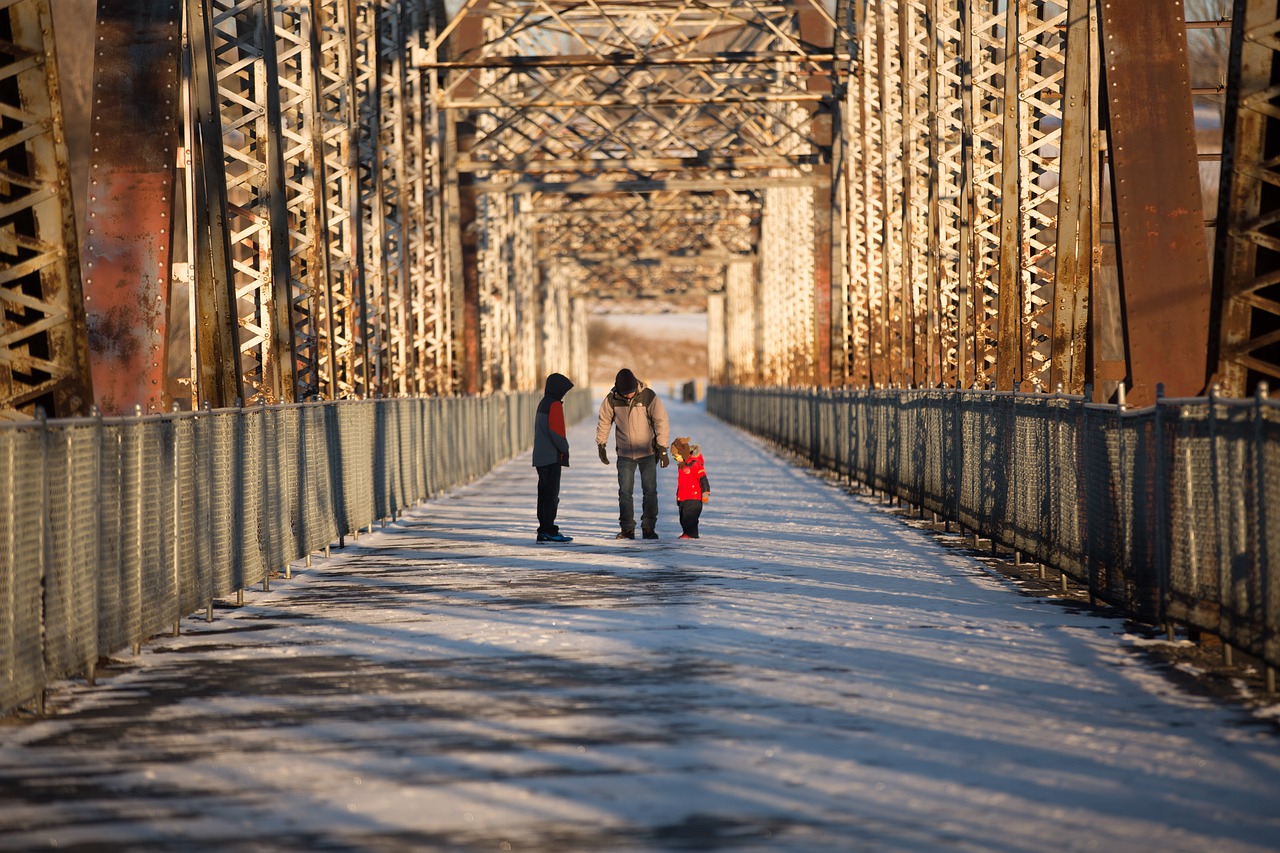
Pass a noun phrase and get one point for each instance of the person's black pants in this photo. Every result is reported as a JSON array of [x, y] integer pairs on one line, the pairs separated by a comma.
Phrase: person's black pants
[[548, 498], [648, 466], [690, 512]]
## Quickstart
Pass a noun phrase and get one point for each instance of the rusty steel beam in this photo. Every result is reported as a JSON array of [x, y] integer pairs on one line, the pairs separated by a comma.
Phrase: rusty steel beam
[[1076, 201], [1160, 227], [129, 242], [216, 375], [43, 346]]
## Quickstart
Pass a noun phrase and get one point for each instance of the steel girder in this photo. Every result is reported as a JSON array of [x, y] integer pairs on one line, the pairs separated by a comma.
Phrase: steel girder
[[969, 191], [314, 214], [679, 124], [934, 145], [742, 297], [43, 341]]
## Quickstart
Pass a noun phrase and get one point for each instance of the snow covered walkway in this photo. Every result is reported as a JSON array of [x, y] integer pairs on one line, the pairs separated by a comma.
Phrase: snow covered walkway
[[811, 674]]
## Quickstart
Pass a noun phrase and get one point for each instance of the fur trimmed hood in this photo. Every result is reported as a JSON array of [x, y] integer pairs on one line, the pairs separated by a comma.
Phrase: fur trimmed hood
[[683, 449]]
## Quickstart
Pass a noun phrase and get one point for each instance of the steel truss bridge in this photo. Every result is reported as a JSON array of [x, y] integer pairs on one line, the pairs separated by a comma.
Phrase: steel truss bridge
[[322, 199]]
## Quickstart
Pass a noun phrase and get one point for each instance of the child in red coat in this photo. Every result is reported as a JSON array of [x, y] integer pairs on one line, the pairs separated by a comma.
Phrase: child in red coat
[[692, 487]]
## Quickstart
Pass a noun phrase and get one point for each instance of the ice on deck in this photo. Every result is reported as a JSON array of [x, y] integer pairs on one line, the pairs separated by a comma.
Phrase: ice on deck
[[810, 674]]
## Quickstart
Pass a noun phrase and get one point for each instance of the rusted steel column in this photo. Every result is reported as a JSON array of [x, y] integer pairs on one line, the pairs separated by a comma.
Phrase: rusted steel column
[[136, 133], [216, 368], [1075, 203], [460, 206], [43, 349], [1009, 355], [1159, 219], [815, 29], [822, 209]]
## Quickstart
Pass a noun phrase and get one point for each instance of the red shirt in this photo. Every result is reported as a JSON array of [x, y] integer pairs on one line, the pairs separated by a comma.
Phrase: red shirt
[[689, 479]]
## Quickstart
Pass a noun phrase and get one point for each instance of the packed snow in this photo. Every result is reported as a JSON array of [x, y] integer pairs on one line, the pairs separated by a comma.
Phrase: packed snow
[[810, 674]]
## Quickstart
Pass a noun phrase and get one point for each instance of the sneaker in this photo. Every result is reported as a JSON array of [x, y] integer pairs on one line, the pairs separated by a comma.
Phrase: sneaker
[[554, 537], [685, 536], [651, 534], [626, 534]]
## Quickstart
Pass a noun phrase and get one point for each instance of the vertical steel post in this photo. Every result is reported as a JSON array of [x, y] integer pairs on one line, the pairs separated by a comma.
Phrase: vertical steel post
[[216, 345], [1161, 232], [1009, 353], [1075, 205]]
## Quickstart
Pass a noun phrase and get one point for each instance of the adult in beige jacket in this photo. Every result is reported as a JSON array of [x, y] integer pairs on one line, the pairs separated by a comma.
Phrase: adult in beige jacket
[[641, 431]]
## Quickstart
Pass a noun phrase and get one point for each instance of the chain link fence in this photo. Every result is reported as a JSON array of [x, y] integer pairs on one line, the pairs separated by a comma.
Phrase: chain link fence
[[112, 530], [1169, 512]]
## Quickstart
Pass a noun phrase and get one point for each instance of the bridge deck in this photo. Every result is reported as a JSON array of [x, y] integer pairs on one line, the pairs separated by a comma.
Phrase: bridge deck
[[811, 673]]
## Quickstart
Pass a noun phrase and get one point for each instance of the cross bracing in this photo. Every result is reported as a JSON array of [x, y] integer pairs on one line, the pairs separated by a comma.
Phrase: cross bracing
[[349, 198]]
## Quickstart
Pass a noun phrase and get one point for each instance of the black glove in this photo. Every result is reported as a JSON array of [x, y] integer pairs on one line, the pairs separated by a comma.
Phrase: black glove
[[604, 455], [663, 459], [564, 459]]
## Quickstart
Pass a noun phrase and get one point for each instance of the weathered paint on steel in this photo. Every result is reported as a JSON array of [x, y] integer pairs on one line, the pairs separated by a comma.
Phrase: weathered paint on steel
[[136, 136], [1159, 219]]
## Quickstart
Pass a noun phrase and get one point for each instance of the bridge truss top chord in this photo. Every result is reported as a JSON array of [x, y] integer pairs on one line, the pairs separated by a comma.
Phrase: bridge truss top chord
[[347, 198]]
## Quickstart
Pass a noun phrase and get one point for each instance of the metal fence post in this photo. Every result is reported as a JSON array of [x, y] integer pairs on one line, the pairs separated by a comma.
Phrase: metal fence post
[[1260, 555], [172, 424], [45, 536], [137, 574], [1163, 524]]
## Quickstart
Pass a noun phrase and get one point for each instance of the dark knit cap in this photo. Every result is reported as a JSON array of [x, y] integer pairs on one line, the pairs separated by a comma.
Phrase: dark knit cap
[[625, 382]]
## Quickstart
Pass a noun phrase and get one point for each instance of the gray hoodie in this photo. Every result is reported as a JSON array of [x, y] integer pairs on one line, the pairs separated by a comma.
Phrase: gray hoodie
[[549, 442]]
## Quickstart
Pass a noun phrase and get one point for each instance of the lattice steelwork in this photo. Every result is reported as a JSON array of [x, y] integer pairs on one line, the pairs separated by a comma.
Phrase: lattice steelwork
[[786, 309], [43, 344], [950, 149], [740, 327], [343, 309], [917, 284], [564, 324], [1026, 312], [867, 296], [716, 352], [952, 182], [371, 170], [297, 64], [507, 308], [430, 305], [1249, 345], [644, 135], [249, 106], [329, 102], [979, 318]]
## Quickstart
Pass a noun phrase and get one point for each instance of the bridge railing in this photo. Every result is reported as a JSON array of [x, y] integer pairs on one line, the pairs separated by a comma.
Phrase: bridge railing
[[113, 529], [1170, 512]]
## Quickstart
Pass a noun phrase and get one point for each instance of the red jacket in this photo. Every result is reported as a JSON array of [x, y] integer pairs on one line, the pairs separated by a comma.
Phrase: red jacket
[[691, 480]]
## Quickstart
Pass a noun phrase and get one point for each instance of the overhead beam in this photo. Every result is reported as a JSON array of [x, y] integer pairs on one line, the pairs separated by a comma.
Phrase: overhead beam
[[632, 103], [638, 164], [634, 60], [649, 185], [615, 259]]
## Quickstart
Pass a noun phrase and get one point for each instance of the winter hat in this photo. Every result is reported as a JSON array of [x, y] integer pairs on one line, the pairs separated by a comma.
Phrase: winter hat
[[680, 449], [625, 382]]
